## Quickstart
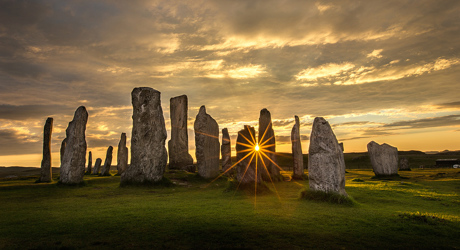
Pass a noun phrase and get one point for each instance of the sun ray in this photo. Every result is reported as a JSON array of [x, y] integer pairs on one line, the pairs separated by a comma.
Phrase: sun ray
[[250, 142], [247, 167], [265, 132], [264, 142], [272, 161], [267, 146], [252, 136], [265, 167], [255, 185], [234, 165], [244, 144]]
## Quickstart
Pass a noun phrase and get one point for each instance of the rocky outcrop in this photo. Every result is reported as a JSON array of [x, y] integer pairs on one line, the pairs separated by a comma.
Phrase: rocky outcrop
[[148, 151], [179, 158], [108, 162], [46, 171], [384, 158], [226, 152], [298, 169], [73, 162], [266, 139], [326, 165], [207, 144], [246, 171], [122, 155]]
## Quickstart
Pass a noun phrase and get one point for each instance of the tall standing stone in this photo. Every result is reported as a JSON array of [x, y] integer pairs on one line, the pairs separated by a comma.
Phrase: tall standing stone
[[179, 158], [122, 155], [404, 164], [62, 151], [97, 166], [108, 162], [148, 151], [90, 162], [267, 138], [326, 165], [73, 162], [207, 144], [226, 152], [297, 156], [46, 172], [384, 158], [246, 170]]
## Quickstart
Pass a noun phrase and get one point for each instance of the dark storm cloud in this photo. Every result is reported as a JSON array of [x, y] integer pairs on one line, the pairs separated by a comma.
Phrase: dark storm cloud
[[14, 143], [24, 112]]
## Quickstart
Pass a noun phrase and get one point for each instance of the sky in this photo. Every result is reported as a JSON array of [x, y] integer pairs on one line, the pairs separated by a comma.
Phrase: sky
[[387, 71]]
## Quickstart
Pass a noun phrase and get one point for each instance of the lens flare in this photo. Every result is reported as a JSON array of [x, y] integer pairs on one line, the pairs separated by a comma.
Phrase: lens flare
[[256, 147]]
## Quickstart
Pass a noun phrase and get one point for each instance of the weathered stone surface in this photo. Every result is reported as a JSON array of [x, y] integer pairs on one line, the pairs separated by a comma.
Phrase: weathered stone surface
[[97, 166], [108, 162], [404, 164], [148, 151], [90, 162], [326, 165], [122, 155], [207, 144], [226, 152], [46, 171], [384, 158], [341, 146], [179, 158], [267, 139], [298, 168], [63, 144], [73, 162], [246, 172]]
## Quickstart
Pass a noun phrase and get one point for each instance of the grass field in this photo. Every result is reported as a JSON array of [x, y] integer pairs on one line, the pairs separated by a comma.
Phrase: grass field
[[420, 210]]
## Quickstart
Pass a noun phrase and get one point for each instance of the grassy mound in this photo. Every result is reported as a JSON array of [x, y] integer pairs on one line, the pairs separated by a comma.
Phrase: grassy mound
[[326, 197]]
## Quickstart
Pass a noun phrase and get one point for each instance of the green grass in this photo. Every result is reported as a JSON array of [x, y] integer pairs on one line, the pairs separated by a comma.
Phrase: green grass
[[420, 211]]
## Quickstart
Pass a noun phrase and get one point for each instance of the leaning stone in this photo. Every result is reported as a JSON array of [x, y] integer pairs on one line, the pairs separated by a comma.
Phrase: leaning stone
[[73, 162], [298, 169], [207, 144], [148, 151], [108, 162], [246, 171], [326, 165], [122, 155], [267, 138], [97, 166], [179, 158], [404, 164], [384, 158], [46, 171], [226, 152], [90, 162]]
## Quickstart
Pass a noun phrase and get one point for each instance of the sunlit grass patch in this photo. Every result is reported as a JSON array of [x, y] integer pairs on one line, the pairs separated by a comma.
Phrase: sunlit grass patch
[[428, 218]]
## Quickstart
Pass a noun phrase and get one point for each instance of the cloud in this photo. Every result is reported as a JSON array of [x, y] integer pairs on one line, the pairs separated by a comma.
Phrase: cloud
[[14, 142], [443, 121], [26, 112]]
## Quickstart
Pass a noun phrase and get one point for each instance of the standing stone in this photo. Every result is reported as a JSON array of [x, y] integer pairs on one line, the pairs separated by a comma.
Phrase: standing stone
[[108, 162], [122, 155], [179, 158], [148, 151], [246, 170], [267, 139], [97, 166], [73, 162], [207, 144], [46, 171], [326, 165], [226, 152], [384, 158], [90, 162], [341, 146], [404, 164], [298, 169], [63, 144]]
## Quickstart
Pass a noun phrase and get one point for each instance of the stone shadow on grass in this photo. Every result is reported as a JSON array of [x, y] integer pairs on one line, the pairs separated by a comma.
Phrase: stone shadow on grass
[[333, 198]]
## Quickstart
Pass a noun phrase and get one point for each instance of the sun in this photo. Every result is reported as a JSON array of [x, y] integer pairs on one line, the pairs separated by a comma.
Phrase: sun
[[256, 148]]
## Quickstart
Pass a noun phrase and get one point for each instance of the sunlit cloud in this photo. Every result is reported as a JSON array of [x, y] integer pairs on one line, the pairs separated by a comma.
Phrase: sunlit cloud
[[327, 70]]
